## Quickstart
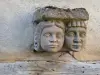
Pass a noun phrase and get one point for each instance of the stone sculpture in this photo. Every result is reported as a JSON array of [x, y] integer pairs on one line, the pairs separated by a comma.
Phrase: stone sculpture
[[50, 29]]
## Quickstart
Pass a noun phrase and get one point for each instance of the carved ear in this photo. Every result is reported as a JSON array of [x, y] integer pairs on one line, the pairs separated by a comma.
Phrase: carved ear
[[35, 44], [35, 40]]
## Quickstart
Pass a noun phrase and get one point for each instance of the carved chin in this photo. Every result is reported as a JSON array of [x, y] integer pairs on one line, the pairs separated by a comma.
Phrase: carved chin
[[52, 50], [76, 48]]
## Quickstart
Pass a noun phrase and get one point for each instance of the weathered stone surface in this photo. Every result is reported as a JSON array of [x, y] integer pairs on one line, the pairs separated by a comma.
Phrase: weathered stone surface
[[79, 14], [50, 68], [50, 12], [12, 57]]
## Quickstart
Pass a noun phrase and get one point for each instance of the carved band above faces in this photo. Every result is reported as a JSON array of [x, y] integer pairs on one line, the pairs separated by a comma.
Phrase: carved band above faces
[[50, 12]]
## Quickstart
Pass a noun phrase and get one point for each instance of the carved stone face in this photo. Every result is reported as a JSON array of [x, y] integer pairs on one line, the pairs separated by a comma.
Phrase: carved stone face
[[52, 38], [75, 38]]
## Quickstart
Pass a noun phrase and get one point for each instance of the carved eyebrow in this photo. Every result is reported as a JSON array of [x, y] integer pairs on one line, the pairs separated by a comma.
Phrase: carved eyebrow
[[70, 31], [54, 25], [61, 27], [47, 26], [83, 31]]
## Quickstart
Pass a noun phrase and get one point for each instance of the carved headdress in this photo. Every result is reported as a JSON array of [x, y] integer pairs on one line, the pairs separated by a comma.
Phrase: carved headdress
[[80, 16]]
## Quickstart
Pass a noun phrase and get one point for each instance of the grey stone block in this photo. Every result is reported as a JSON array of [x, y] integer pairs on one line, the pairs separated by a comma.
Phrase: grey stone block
[[50, 12]]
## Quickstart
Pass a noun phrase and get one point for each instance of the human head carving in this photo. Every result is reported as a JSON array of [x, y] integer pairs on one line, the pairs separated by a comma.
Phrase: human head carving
[[75, 36], [49, 36], [51, 20]]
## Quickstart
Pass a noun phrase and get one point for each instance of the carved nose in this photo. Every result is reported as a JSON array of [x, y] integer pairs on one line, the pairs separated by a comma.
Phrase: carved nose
[[77, 39], [53, 38]]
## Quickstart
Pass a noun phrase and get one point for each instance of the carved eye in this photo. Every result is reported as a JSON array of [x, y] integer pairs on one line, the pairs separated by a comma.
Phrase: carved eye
[[59, 35], [83, 34], [47, 34], [70, 33]]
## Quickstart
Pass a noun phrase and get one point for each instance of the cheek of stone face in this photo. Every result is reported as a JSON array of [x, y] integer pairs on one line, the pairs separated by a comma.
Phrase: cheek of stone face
[[51, 47], [69, 42], [83, 42], [60, 43], [44, 42], [71, 45]]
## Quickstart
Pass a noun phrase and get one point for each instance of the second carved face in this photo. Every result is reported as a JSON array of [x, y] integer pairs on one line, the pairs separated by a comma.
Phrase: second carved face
[[75, 36]]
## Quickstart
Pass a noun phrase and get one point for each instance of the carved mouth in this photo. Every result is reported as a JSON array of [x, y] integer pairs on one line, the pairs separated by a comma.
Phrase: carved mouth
[[76, 46], [53, 46]]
